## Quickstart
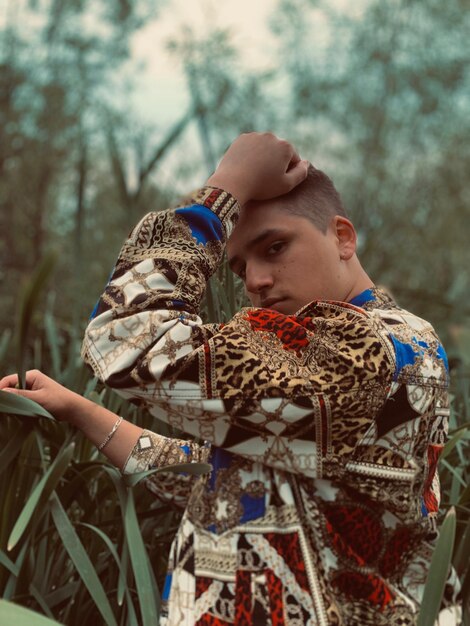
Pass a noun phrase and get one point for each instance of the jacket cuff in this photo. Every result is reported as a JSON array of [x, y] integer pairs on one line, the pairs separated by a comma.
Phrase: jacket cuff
[[223, 204]]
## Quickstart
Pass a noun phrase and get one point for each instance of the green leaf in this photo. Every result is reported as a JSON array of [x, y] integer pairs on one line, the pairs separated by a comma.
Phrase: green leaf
[[63, 594], [13, 446], [462, 551], [28, 303], [464, 496], [122, 582], [4, 343], [37, 595], [109, 544], [450, 445], [13, 404], [196, 469], [438, 572], [8, 563], [41, 492], [456, 473], [146, 590], [52, 335], [14, 569], [81, 560], [132, 617], [13, 614], [10, 588]]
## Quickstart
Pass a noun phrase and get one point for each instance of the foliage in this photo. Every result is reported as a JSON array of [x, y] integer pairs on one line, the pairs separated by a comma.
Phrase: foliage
[[379, 98]]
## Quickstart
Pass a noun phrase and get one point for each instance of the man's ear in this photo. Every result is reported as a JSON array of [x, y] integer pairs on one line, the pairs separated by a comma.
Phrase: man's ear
[[346, 236]]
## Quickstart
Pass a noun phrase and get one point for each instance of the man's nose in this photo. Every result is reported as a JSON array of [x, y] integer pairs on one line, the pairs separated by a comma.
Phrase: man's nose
[[258, 279]]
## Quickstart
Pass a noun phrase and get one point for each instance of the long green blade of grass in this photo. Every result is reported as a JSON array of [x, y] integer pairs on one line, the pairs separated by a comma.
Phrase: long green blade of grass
[[8, 563], [12, 447], [15, 570], [13, 404], [13, 615], [450, 445], [4, 343], [52, 335], [438, 572], [122, 582], [146, 590], [81, 560], [41, 601], [10, 587], [28, 302], [62, 594], [107, 541], [149, 598], [41, 492], [132, 617], [462, 553]]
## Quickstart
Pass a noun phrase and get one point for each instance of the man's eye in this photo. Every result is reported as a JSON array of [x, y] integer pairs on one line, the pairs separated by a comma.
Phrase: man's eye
[[276, 247]]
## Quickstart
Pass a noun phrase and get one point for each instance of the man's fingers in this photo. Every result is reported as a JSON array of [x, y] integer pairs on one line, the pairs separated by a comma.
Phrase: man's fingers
[[9, 381], [298, 173], [11, 390], [259, 166], [295, 158], [20, 392], [33, 380]]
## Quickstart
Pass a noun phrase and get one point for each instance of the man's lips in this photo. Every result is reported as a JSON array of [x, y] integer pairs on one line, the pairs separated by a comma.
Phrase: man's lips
[[268, 303]]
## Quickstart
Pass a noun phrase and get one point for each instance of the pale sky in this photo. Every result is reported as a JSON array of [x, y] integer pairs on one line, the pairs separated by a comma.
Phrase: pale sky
[[162, 88]]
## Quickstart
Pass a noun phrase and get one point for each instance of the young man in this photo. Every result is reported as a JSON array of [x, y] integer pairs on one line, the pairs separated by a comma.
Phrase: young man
[[324, 406]]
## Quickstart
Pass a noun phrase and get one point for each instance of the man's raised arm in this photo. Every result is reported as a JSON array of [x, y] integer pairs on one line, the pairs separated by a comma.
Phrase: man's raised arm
[[146, 320]]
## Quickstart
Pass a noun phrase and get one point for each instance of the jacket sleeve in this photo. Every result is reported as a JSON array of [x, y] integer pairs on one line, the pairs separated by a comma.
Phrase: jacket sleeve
[[156, 451], [292, 392]]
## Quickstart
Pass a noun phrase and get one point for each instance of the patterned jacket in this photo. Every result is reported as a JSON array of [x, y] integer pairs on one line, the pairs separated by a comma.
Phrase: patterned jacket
[[325, 429]]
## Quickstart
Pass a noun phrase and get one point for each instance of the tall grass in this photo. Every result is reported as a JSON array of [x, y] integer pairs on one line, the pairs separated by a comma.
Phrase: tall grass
[[80, 544]]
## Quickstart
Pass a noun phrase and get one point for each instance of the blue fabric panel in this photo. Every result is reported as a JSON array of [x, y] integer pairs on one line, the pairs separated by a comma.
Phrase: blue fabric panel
[[252, 507], [362, 298], [179, 304], [95, 310], [96, 307], [404, 351], [204, 224], [219, 459], [406, 354], [167, 587], [186, 449], [441, 353], [424, 510]]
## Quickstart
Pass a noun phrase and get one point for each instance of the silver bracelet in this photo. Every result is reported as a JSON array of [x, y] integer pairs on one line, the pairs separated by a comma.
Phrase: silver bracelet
[[110, 435]]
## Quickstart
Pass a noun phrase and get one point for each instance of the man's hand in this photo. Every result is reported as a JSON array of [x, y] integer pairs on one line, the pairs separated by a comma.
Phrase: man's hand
[[62, 403], [259, 166], [95, 421]]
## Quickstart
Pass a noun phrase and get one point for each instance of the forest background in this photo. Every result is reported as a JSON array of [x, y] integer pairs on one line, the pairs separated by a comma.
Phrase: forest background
[[376, 94]]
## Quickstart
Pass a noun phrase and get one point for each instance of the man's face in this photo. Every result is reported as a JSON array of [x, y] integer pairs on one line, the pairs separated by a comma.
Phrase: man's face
[[284, 260]]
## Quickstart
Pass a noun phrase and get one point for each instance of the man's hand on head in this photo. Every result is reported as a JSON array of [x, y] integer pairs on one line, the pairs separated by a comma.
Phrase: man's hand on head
[[259, 166]]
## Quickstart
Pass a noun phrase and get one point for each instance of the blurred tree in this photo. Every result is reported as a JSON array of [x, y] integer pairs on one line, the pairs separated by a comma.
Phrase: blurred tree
[[380, 97], [227, 98], [132, 182], [57, 61]]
